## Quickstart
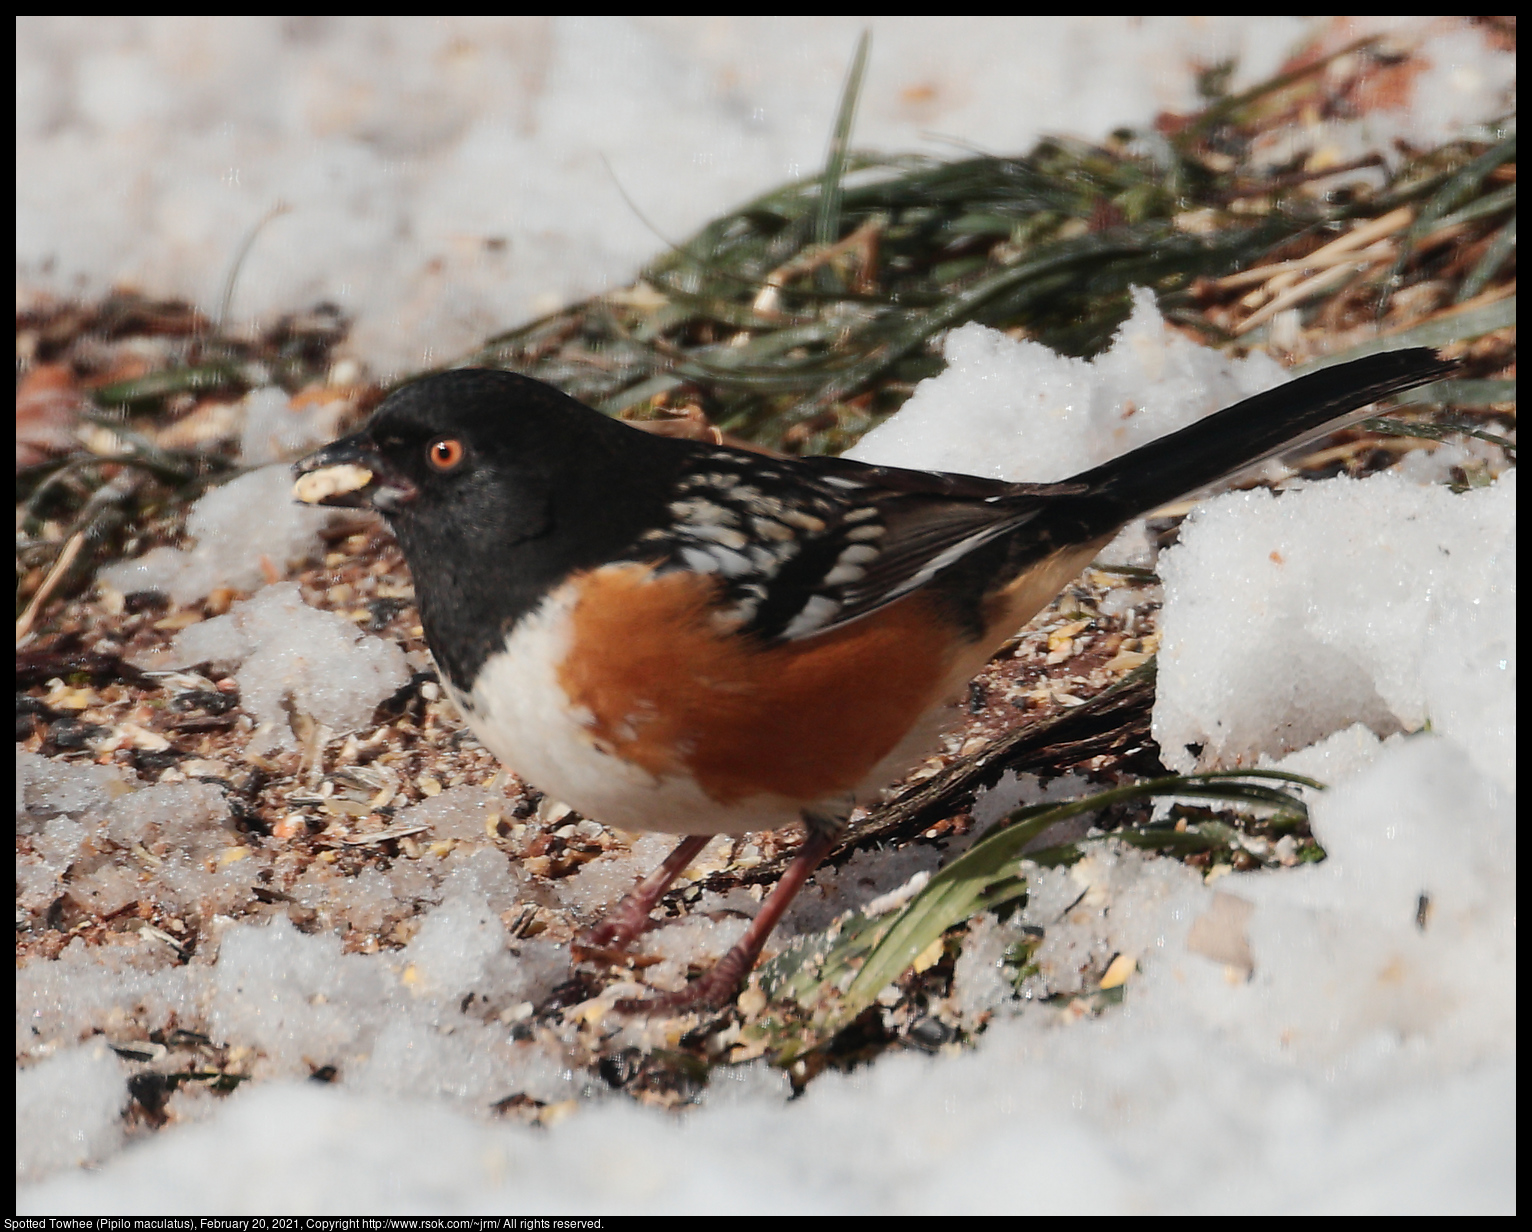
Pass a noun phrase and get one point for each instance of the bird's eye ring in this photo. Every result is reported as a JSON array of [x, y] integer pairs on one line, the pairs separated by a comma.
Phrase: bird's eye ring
[[444, 453]]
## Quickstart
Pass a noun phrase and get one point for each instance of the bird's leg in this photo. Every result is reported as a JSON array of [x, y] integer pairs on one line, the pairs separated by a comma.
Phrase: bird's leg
[[717, 987], [630, 917]]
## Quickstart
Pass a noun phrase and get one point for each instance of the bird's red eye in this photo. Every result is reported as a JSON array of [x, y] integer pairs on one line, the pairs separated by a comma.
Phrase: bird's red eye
[[446, 453]]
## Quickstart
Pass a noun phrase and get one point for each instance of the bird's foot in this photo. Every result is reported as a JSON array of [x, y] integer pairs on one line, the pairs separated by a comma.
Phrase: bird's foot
[[712, 990], [626, 922]]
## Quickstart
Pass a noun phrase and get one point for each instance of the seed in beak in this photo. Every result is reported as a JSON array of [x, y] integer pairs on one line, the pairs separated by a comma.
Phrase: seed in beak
[[315, 487]]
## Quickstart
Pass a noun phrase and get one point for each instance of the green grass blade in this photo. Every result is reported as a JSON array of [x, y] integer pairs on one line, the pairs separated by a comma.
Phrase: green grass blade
[[986, 876], [1439, 331], [827, 217], [1454, 192], [1499, 251]]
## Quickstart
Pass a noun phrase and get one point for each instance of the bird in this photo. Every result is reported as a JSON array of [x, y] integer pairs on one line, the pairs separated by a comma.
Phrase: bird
[[684, 636]]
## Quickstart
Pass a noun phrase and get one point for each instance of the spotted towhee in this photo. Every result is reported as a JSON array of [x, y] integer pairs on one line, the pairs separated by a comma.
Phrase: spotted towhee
[[678, 636]]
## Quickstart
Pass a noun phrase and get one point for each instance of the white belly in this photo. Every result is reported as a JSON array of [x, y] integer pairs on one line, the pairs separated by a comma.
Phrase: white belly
[[522, 715]]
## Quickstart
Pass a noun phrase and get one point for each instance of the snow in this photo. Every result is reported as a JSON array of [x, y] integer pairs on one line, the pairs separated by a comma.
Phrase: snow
[[1015, 410], [292, 657], [1337, 1037], [1378, 600], [69, 1110], [234, 528], [446, 177]]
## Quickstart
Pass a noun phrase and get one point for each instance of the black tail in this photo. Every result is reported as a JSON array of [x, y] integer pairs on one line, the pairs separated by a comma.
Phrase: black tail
[[1256, 428]]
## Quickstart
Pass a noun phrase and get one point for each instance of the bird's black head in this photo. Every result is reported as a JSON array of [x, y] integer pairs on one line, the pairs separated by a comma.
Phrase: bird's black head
[[497, 486]]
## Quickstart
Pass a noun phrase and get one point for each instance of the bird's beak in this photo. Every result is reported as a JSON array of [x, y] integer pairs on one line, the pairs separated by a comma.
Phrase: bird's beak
[[350, 474]]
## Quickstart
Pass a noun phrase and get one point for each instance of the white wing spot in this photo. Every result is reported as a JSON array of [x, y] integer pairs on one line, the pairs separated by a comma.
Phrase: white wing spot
[[803, 521], [713, 479], [732, 564], [759, 502], [816, 612], [699, 560], [857, 554], [729, 619], [767, 528], [725, 535], [704, 512], [768, 559]]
